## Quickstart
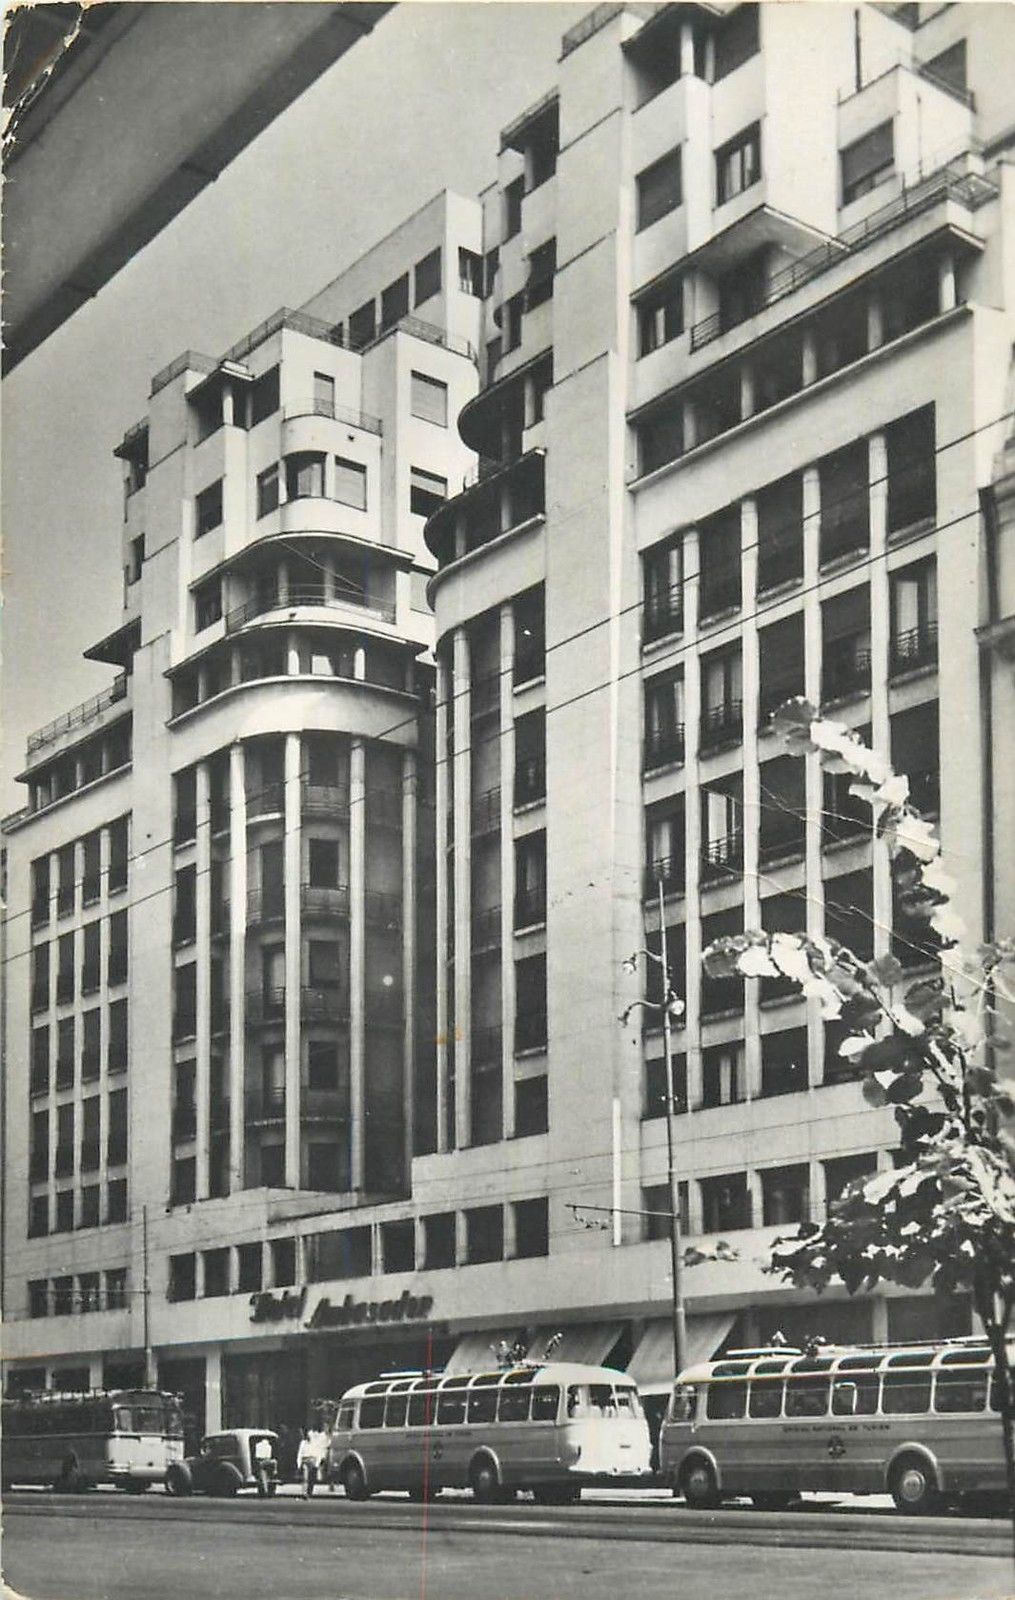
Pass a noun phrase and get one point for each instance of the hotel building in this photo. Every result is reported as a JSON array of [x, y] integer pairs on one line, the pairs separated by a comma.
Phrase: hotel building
[[315, 965]]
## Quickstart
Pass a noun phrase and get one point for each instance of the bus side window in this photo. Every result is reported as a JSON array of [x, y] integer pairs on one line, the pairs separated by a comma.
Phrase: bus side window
[[601, 1399], [451, 1406], [844, 1396], [545, 1403], [577, 1404], [625, 1402], [958, 1390], [482, 1405], [905, 1393], [346, 1413], [684, 1402], [726, 1401], [422, 1405], [394, 1410], [514, 1405], [807, 1397], [371, 1411], [766, 1397]]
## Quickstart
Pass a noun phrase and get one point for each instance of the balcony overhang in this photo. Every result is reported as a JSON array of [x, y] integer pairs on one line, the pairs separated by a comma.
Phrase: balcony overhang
[[765, 225], [518, 133], [117, 648], [442, 523], [212, 381], [999, 637], [129, 447], [474, 415]]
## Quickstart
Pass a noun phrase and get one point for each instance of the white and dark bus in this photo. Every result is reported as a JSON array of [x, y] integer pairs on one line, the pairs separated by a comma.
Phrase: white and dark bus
[[71, 1442]]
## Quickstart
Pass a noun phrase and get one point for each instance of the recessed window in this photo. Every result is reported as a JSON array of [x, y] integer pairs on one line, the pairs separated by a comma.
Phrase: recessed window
[[513, 196], [659, 189], [325, 963], [362, 325], [208, 509], [427, 492], [429, 399], [216, 1272], [207, 605], [428, 277], [532, 1228], [135, 560], [323, 1064], [736, 40], [867, 162], [738, 164], [395, 302], [513, 311], [264, 396], [351, 483], [470, 273], [267, 490], [542, 267], [660, 318]]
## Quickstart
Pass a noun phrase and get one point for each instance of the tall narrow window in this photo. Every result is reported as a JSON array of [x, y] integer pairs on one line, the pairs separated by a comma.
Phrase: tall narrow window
[[738, 164], [428, 277], [867, 162], [914, 616], [324, 394], [427, 492], [395, 302], [362, 325], [659, 188], [429, 399], [664, 719], [208, 509], [264, 396], [661, 317], [663, 575], [351, 483]]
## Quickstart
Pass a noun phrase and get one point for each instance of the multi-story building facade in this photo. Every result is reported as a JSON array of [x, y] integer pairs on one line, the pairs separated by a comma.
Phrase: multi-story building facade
[[314, 998]]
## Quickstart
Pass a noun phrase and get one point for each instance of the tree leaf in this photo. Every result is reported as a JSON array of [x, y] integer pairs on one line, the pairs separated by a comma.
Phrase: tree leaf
[[887, 970]]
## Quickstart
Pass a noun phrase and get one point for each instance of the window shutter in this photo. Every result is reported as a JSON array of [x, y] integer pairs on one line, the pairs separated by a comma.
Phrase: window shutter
[[868, 155]]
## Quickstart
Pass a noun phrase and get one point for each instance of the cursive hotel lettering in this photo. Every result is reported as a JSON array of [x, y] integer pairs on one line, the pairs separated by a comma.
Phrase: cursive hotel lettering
[[267, 1307], [353, 1313]]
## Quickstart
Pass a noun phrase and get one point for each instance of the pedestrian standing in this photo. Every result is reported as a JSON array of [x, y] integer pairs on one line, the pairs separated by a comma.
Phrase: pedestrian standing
[[309, 1457]]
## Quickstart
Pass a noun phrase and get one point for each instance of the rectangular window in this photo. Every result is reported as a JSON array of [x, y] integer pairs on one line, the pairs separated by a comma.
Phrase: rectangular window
[[40, 1061], [40, 977], [532, 1228], [427, 492], [914, 617], [725, 1203], [542, 267], [949, 68], [38, 1216], [660, 317], [116, 1141], [530, 1003], [207, 604], [721, 699], [208, 509], [849, 913], [720, 994], [738, 164], [118, 947], [395, 302], [118, 845], [665, 838], [783, 808], [428, 277], [216, 1272], [324, 963], [659, 189], [491, 266], [38, 1298], [661, 437], [439, 1241], [264, 396], [283, 1262], [530, 758], [719, 561], [64, 1212], [723, 1075], [182, 1277], [351, 483], [135, 559], [530, 880], [513, 310], [737, 39], [780, 532], [781, 665], [846, 645], [323, 1065], [183, 1181], [249, 1268], [484, 1234], [912, 487], [362, 325], [528, 616], [90, 1209], [656, 1091], [91, 881], [531, 1106], [398, 1246], [916, 751], [116, 1289], [267, 490], [664, 719], [40, 891], [513, 196], [90, 1134], [844, 1170], [118, 1044], [324, 395], [429, 399], [116, 1200], [470, 273], [784, 1058], [867, 162], [65, 968]]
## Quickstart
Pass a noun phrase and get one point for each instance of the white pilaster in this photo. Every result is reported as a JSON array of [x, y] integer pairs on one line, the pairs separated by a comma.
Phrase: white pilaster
[[463, 885], [442, 790], [202, 1083], [237, 958], [357, 957], [293, 961]]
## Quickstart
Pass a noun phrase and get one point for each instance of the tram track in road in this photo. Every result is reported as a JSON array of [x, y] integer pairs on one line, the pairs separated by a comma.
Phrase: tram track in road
[[655, 1522]]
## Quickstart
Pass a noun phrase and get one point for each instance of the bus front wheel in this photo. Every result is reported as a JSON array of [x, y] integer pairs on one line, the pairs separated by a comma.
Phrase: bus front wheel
[[483, 1481], [699, 1487], [913, 1487], [354, 1481]]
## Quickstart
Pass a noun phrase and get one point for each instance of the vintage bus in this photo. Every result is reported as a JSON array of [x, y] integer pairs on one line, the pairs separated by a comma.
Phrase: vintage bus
[[70, 1442], [549, 1428], [916, 1421]]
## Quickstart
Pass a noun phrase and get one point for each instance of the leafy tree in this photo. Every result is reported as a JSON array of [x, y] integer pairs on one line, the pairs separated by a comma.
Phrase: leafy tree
[[946, 1214]]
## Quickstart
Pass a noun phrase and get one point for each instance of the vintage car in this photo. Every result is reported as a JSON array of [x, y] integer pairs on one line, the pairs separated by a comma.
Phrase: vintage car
[[225, 1464]]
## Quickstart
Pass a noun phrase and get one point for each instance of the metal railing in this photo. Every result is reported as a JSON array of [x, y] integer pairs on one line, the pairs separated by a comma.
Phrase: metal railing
[[722, 857], [265, 905], [914, 648], [317, 406], [86, 712], [667, 870], [325, 799], [307, 594], [662, 613], [664, 744], [969, 189], [846, 671], [330, 899], [721, 723]]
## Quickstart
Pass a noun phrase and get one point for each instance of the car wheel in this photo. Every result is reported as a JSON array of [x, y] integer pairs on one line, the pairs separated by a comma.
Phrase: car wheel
[[178, 1481], [913, 1487], [483, 1481], [354, 1481], [226, 1482], [699, 1487]]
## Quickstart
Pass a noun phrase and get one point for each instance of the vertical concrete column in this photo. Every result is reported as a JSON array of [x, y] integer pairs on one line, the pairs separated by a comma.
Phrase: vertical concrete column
[[409, 803], [292, 654], [359, 663], [808, 358], [507, 867], [237, 960], [202, 1084], [686, 50], [875, 320], [293, 962], [817, 1190], [95, 1372], [213, 1391], [442, 790], [879, 1319], [463, 885], [328, 476], [752, 812], [236, 665], [690, 425], [283, 582], [357, 957], [328, 576], [747, 400], [228, 405], [692, 813], [880, 643], [947, 287], [813, 782], [756, 1196]]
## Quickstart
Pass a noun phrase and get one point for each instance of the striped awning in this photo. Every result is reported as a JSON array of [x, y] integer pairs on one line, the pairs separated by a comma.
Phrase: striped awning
[[477, 1352], [588, 1342], [651, 1366]]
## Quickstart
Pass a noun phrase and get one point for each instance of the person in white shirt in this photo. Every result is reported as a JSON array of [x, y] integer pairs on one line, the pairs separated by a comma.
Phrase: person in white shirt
[[309, 1458], [263, 1454]]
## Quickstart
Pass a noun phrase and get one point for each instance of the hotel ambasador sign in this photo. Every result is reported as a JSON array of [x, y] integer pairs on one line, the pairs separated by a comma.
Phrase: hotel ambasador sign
[[291, 1304]]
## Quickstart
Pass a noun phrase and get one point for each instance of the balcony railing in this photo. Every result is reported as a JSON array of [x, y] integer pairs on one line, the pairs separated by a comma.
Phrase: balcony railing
[[530, 780], [330, 899], [667, 870], [266, 1104], [846, 670], [486, 812], [265, 1005], [950, 183], [722, 724], [268, 800], [306, 594], [663, 745], [662, 613], [325, 799], [722, 858], [317, 406], [486, 929], [86, 712], [265, 905], [913, 649]]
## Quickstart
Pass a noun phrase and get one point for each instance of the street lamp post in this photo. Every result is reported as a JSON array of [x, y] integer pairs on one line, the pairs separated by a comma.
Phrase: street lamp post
[[665, 1007]]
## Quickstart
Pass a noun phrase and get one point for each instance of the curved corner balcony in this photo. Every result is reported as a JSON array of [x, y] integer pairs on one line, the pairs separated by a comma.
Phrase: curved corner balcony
[[498, 499], [312, 599], [482, 419]]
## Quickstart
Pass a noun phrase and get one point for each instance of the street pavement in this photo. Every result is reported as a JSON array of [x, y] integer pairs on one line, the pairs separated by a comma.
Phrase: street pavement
[[106, 1547]]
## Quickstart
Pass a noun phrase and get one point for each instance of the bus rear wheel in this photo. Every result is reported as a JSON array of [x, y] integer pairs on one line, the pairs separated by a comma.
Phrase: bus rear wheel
[[483, 1481], [698, 1486], [913, 1487]]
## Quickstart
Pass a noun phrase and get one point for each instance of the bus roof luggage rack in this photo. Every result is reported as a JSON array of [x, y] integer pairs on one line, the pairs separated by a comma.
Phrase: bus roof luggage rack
[[762, 1350]]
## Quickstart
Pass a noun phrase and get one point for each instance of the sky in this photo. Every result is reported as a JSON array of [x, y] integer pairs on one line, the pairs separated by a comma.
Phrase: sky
[[416, 107]]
